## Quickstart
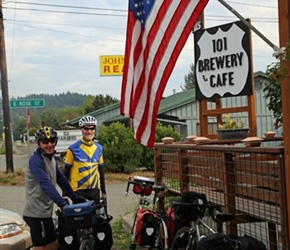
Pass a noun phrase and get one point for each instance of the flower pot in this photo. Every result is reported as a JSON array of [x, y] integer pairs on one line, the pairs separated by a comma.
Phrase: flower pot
[[225, 134]]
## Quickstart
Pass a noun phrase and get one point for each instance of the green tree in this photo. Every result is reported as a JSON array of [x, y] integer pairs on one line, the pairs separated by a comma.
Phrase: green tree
[[69, 113], [19, 127], [189, 79], [88, 104], [100, 101], [50, 117], [272, 89]]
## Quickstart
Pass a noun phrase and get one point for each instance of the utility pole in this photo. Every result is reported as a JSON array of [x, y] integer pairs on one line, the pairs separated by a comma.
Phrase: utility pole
[[5, 97]]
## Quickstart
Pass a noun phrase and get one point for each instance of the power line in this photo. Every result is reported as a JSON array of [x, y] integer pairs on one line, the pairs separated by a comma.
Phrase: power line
[[65, 12], [69, 33], [67, 6], [251, 4], [62, 24], [120, 10]]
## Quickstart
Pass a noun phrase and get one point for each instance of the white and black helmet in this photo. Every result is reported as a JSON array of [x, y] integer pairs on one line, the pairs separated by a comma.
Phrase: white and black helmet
[[87, 121]]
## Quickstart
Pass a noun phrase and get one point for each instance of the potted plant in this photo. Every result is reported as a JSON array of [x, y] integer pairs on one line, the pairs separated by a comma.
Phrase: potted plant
[[232, 129]]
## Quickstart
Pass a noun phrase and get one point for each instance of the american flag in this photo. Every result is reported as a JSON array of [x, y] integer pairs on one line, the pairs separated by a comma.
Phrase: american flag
[[156, 33]]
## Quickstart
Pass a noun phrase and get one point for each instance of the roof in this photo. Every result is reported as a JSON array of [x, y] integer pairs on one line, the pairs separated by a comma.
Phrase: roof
[[167, 103], [93, 113], [176, 100], [261, 74]]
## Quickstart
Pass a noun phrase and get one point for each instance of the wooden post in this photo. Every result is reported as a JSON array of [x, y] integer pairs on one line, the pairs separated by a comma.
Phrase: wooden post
[[5, 98], [284, 35]]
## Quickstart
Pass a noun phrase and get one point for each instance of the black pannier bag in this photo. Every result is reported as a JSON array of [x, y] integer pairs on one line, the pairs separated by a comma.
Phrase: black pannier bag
[[103, 234], [247, 242], [146, 227], [217, 241]]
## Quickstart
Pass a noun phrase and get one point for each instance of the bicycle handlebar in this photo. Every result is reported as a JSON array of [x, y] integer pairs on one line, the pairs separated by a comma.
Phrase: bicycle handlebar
[[144, 185], [128, 185]]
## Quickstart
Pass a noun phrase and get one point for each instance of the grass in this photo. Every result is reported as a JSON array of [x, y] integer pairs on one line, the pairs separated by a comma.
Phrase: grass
[[121, 237], [12, 179]]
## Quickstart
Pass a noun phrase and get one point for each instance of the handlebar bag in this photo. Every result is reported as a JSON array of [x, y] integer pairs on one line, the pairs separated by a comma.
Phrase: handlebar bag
[[142, 186], [80, 215]]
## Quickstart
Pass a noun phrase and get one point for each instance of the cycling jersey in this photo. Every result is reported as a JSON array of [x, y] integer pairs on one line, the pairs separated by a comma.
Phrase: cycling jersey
[[83, 160]]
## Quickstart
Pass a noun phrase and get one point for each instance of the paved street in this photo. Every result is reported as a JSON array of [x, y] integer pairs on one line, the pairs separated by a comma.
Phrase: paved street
[[12, 197]]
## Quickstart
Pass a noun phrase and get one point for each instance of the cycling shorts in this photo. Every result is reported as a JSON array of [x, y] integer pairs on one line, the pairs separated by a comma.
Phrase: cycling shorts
[[41, 229]]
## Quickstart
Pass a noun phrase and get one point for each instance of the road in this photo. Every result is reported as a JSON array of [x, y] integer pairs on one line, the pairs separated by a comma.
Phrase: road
[[12, 197]]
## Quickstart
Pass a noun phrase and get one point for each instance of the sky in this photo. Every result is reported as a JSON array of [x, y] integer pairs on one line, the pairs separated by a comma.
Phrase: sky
[[54, 46]]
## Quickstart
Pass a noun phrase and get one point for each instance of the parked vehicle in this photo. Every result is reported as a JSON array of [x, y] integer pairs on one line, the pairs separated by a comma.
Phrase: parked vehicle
[[14, 233], [65, 138]]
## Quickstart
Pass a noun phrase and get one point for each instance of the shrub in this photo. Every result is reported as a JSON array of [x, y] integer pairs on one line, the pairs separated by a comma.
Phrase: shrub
[[121, 152], [161, 131]]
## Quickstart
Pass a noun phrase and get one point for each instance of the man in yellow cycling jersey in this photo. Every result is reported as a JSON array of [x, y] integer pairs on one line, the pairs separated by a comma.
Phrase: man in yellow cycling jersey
[[84, 164]]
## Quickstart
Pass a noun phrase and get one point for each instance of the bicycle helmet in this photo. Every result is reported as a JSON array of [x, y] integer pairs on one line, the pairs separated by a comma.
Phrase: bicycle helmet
[[45, 133], [87, 121]]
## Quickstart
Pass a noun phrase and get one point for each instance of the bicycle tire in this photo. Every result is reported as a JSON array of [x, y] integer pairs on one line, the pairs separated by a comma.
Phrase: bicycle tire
[[161, 237], [184, 239], [87, 244]]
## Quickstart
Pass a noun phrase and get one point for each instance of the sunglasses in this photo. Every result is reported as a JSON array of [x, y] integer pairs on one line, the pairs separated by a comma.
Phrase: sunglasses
[[92, 128], [46, 140]]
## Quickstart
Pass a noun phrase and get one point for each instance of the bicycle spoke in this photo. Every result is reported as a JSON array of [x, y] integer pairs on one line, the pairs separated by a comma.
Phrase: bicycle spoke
[[184, 239]]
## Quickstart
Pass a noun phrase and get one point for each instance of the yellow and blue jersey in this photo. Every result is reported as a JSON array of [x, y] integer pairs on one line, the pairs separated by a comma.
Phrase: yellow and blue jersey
[[83, 159]]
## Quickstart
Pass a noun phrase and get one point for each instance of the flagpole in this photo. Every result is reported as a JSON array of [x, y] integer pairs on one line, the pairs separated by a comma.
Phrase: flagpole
[[273, 46]]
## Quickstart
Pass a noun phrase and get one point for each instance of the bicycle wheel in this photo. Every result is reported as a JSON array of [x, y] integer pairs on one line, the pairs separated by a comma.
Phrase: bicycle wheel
[[184, 239], [87, 244], [151, 241], [161, 236]]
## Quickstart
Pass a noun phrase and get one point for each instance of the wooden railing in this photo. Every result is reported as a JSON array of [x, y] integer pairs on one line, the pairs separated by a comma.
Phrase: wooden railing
[[248, 181]]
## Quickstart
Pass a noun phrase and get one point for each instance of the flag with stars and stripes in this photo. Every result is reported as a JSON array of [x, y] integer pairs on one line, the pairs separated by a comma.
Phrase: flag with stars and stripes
[[156, 33]]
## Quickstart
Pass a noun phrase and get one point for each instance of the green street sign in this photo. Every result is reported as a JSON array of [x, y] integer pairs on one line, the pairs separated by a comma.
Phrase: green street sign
[[26, 103]]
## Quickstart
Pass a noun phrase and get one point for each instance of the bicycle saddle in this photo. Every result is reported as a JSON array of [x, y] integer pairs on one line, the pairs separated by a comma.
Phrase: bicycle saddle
[[224, 217]]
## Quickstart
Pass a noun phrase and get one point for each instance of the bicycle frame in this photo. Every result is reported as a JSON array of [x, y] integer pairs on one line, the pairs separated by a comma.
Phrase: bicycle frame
[[144, 189], [192, 234], [197, 227]]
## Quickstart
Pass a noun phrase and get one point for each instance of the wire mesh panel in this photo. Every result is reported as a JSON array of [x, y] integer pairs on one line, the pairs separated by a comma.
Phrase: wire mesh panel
[[242, 180]]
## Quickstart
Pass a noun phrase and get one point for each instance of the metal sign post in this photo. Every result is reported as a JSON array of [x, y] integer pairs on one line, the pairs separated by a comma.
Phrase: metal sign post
[[273, 46]]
